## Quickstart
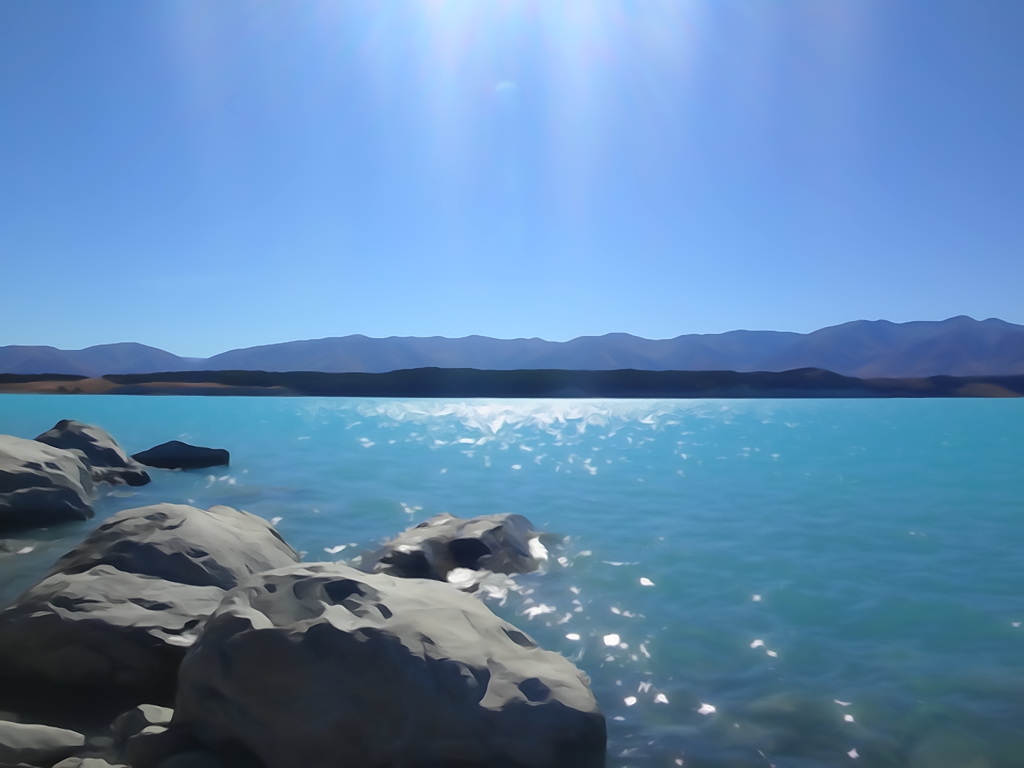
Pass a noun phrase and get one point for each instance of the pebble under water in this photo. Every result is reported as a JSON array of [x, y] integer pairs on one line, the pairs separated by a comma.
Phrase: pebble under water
[[796, 583]]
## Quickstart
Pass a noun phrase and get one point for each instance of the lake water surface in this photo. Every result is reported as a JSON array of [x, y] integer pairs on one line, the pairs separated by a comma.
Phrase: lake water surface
[[747, 583]]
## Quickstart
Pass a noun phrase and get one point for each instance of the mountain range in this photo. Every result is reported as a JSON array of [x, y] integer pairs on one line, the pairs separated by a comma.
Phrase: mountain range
[[959, 346]]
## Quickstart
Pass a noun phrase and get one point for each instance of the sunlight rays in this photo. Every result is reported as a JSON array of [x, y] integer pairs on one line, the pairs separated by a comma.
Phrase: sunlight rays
[[519, 107], [576, 69]]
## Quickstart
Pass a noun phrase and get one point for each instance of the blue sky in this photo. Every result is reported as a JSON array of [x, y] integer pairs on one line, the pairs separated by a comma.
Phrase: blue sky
[[202, 176]]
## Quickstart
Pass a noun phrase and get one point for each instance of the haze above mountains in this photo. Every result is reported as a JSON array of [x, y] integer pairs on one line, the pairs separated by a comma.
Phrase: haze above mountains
[[959, 346]]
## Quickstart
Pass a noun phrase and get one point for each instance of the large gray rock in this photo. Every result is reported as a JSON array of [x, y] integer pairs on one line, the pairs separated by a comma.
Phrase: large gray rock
[[108, 460], [103, 628], [204, 547], [36, 744], [321, 665], [503, 543], [41, 485], [178, 455], [119, 610]]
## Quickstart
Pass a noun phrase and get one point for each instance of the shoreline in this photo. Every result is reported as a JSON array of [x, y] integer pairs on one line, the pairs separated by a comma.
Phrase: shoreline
[[547, 383]]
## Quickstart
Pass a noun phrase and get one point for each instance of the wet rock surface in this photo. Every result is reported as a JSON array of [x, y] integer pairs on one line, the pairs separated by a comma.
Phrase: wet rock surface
[[505, 543]]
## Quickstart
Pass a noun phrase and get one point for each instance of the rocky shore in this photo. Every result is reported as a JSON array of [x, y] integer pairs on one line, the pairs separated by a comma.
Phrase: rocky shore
[[178, 637]]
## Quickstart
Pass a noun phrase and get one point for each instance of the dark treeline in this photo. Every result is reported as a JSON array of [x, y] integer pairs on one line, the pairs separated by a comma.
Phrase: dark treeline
[[468, 382], [26, 378]]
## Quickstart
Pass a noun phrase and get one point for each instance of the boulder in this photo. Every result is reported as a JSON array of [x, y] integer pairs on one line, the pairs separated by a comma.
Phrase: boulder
[[178, 455], [119, 610], [214, 547], [37, 744], [41, 485], [321, 665], [108, 460], [102, 628], [503, 543]]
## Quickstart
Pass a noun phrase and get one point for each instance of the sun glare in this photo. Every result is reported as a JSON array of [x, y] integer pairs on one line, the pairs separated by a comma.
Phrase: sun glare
[[510, 95]]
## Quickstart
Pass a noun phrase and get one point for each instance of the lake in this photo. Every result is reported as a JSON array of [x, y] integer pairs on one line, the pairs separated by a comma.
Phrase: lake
[[793, 583]]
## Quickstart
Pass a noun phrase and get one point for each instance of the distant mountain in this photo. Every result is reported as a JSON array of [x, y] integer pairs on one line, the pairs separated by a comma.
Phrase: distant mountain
[[126, 357], [601, 353], [959, 346]]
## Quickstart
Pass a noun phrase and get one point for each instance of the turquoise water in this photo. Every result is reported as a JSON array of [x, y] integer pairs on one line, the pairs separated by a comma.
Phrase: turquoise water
[[793, 583]]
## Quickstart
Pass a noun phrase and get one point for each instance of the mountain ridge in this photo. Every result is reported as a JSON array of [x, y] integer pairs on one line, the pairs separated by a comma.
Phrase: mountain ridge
[[957, 346]]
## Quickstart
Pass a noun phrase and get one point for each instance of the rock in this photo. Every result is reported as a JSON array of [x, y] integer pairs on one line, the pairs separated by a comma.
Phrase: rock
[[216, 547], [136, 720], [108, 460], [178, 455], [321, 665], [119, 610], [102, 627], [37, 744], [498, 543], [41, 485], [87, 762]]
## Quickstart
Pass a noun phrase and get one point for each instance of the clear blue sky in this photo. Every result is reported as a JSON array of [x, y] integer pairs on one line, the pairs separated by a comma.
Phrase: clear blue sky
[[202, 176]]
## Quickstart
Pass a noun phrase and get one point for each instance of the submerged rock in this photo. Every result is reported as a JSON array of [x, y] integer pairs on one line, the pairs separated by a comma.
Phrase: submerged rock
[[178, 455], [433, 549], [108, 460], [41, 485], [119, 610], [321, 665]]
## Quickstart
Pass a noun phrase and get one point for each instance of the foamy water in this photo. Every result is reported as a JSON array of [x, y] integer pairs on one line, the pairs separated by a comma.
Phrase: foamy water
[[747, 583]]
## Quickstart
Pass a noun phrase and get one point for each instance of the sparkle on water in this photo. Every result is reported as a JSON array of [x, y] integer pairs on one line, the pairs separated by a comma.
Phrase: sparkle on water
[[747, 583]]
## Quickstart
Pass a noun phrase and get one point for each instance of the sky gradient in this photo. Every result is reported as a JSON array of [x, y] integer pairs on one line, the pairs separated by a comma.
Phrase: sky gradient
[[201, 176]]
